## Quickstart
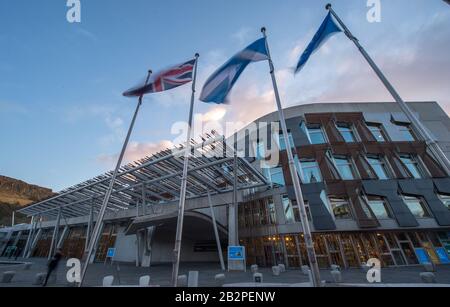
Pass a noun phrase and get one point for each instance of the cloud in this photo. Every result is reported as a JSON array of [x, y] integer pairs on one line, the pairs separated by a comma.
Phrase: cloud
[[216, 113], [136, 151]]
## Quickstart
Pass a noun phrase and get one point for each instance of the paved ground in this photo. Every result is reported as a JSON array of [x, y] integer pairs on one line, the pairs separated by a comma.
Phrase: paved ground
[[127, 274]]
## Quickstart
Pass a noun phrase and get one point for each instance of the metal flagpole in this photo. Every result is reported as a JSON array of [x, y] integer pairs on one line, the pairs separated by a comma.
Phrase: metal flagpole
[[419, 128], [98, 225], [216, 232], [179, 234], [295, 179]]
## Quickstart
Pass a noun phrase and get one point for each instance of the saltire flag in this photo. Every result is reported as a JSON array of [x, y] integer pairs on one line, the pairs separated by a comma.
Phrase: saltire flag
[[165, 80], [220, 83], [326, 30]]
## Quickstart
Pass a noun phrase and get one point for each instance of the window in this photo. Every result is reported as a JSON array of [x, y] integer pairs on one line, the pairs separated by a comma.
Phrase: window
[[379, 166], [416, 206], [379, 207], [310, 171], [275, 175], [347, 132], [260, 150], [340, 207], [315, 134], [445, 200], [377, 132], [282, 143], [288, 210], [406, 132], [345, 167], [412, 166]]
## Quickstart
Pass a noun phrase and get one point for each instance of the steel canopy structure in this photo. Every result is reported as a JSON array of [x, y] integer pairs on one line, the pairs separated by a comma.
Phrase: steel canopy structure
[[156, 180]]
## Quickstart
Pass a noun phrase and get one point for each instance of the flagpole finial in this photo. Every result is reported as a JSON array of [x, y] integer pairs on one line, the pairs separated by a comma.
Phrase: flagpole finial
[[328, 6], [197, 55], [150, 71], [263, 30]]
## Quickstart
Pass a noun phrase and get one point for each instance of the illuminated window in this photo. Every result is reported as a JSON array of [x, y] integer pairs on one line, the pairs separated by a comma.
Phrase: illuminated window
[[340, 207]]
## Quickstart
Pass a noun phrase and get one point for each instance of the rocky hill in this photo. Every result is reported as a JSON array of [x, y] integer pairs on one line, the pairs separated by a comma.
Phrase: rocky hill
[[15, 194]]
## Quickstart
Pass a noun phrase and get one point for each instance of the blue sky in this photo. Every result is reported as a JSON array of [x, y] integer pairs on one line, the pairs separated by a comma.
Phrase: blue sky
[[62, 116]]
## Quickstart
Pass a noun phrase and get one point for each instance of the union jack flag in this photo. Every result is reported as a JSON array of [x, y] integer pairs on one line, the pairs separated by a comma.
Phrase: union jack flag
[[165, 80]]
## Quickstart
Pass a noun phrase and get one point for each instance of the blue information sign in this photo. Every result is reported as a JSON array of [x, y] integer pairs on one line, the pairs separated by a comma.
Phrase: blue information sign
[[442, 255], [422, 256], [236, 253], [111, 253]]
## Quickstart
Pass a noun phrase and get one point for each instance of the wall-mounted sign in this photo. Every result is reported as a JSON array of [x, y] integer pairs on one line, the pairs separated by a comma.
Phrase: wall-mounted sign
[[236, 258], [422, 256], [443, 257], [111, 253]]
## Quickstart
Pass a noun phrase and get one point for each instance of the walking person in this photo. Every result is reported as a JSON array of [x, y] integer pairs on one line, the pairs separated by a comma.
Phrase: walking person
[[53, 264]]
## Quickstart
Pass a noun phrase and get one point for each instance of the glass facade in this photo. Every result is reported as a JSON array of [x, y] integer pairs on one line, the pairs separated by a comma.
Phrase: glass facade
[[348, 250], [379, 207], [412, 166], [310, 171], [347, 132], [417, 206], [345, 168], [445, 200], [340, 207], [282, 143], [406, 133], [378, 165], [316, 134], [377, 132]]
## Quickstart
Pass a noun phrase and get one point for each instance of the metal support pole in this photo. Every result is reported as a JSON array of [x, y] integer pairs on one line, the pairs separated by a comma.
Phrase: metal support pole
[[62, 237], [55, 235], [13, 218], [417, 125], [30, 234], [179, 233], [216, 232], [295, 179], [98, 225], [89, 228]]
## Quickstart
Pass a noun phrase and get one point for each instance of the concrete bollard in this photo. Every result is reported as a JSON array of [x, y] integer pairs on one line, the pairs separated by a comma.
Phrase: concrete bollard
[[305, 270], [337, 276], [282, 268], [276, 270], [144, 281], [429, 267], [335, 267], [182, 281], [258, 278], [254, 268], [27, 266], [6, 277], [108, 281], [193, 279], [219, 279], [428, 277], [39, 279]]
